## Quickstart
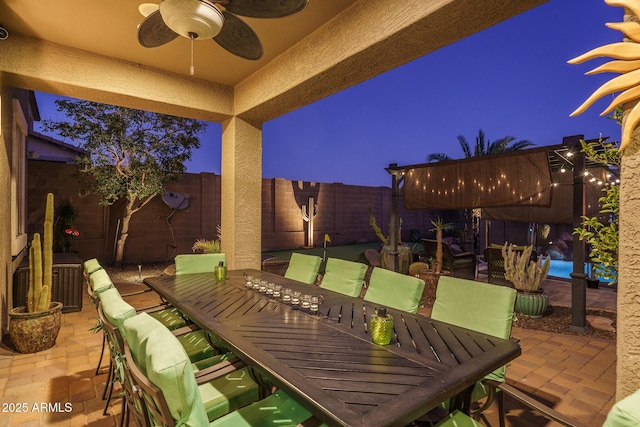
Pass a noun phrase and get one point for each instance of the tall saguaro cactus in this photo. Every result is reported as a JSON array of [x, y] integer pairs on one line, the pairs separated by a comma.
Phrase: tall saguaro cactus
[[308, 217], [41, 264]]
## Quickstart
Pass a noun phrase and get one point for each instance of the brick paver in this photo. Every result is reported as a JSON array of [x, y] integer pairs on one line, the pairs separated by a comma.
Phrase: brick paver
[[573, 374]]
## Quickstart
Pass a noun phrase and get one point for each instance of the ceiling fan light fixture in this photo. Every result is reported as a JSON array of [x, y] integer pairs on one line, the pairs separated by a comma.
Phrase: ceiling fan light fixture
[[197, 17]]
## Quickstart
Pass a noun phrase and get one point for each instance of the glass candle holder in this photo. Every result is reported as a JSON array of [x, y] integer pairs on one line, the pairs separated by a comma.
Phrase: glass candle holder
[[381, 326], [221, 272], [286, 296], [316, 300], [249, 283], [256, 283], [263, 286], [270, 286], [277, 291], [295, 299], [305, 302]]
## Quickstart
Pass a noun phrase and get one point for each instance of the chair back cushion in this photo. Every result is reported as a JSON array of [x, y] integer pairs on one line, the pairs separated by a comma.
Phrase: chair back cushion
[[395, 290], [168, 367], [115, 309], [478, 306], [625, 413], [100, 281], [345, 277], [198, 263], [91, 266], [303, 268]]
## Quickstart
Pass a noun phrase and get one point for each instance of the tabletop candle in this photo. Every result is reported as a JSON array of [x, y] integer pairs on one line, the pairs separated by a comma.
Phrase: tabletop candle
[[381, 326]]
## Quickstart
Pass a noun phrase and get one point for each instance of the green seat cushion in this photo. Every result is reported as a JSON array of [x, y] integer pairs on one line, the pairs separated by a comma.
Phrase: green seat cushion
[[100, 281], [277, 409], [196, 345], [91, 266], [115, 309], [303, 268], [198, 263], [458, 419], [625, 413], [170, 318], [345, 277], [395, 290], [228, 393], [478, 306]]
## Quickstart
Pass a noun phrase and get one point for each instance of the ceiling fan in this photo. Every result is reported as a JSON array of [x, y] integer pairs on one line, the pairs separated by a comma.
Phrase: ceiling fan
[[216, 19]]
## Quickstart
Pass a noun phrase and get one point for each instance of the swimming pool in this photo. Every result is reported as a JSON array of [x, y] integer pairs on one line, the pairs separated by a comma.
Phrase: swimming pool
[[562, 269]]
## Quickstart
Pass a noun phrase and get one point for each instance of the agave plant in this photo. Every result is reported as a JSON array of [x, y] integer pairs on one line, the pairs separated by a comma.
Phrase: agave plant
[[209, 246]]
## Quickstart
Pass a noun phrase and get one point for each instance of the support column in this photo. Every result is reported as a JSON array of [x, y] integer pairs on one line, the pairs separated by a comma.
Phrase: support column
[[241, 191], [578, 277]]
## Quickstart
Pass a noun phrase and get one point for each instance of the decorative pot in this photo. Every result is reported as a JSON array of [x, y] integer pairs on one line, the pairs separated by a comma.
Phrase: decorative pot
[[404, 258], [532, 303], [33, 332]]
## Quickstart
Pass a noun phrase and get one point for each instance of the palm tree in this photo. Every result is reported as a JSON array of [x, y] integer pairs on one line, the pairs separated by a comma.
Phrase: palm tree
[[484, 147]]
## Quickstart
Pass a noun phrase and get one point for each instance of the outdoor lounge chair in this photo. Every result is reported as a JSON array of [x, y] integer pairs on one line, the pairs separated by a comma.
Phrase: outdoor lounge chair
[[345, 277], [303, 268], [395, 290], [461, 265]]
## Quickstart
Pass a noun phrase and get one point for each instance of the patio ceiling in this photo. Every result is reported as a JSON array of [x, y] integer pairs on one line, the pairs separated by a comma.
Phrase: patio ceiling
[[329, 46]]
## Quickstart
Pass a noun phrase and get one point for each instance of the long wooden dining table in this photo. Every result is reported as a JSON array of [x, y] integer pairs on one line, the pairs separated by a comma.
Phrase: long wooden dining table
[[327, 360]]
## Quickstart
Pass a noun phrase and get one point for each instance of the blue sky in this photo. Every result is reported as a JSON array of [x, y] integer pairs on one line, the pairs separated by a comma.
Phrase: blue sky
[[511, 79]]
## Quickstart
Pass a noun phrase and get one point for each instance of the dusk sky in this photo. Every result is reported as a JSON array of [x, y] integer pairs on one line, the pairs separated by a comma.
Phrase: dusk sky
[[511, 79]]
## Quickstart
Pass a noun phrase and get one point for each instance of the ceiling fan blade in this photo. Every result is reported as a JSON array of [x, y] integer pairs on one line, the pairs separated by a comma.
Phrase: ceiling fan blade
[[265, 8], [153, 32], [238, 38]]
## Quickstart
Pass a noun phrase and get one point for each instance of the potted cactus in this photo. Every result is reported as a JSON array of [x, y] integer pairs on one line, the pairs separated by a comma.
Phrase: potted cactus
[[35, 327], [526, 276]]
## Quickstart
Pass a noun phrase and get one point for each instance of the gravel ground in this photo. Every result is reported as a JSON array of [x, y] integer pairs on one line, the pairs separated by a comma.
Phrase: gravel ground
[[556, 319]]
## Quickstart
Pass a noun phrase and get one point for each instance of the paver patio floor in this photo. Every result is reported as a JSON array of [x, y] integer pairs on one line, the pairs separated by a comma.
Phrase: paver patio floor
[[58, 387]]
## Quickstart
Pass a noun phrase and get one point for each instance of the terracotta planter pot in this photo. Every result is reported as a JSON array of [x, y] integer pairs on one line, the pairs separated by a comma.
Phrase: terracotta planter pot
[[532, 303], [33, 332], [404, 258]]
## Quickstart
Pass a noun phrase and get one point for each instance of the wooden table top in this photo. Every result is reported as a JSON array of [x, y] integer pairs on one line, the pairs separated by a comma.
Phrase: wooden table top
[[327, 361]]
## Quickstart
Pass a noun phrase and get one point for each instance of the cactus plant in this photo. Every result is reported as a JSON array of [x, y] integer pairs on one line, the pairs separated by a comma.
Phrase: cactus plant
[[41, 264], [525, 274]]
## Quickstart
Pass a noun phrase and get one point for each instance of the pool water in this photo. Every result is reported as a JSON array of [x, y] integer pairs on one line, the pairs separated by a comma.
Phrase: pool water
[[563, 269]]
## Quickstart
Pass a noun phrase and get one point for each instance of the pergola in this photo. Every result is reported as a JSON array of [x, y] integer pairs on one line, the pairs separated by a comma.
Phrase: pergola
[[545, 184], [89, 50]]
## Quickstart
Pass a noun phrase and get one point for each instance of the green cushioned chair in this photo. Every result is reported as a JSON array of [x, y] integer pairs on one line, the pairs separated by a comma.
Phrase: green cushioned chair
[[394, 290], [625, 413], [167, 366], [481, 307], [303, 268], [345, 277], [198, 263]]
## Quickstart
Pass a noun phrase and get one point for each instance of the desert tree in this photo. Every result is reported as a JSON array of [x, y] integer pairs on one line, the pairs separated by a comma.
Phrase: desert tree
[[131, 154]]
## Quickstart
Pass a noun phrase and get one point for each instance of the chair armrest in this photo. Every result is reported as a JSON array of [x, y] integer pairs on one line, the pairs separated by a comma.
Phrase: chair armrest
[[185, 329], [545, 410], [218, 370]]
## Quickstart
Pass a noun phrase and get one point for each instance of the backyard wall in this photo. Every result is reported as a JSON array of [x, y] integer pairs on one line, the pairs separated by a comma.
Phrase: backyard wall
[[156, 235]]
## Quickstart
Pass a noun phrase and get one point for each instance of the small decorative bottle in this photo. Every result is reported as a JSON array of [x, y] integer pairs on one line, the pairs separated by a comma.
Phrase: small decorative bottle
[[381, 326]]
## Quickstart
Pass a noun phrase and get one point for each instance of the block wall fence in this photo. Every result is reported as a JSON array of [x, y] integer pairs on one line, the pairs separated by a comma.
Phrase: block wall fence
[[156, 235]]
